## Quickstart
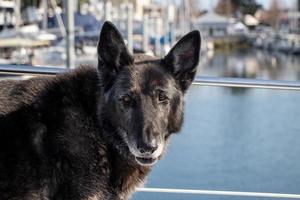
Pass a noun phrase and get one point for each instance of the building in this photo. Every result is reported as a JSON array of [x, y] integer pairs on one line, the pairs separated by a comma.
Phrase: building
[[212, 24], [7, 14]]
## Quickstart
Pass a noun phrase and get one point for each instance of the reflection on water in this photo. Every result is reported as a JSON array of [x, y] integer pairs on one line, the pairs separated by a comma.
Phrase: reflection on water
[[233, 140], [236, 139], [251, 64]]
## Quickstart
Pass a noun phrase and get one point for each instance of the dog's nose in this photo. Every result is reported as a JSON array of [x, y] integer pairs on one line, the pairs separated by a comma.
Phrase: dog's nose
[[145, 148]]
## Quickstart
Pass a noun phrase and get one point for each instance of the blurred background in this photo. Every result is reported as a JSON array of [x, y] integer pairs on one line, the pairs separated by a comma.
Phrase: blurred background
[[233, 139], [240, 38]]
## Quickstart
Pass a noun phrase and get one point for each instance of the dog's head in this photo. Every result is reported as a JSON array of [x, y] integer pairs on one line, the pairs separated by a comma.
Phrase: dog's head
[[143, 95]]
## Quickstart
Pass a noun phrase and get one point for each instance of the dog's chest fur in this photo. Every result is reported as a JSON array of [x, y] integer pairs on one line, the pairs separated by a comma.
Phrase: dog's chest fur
[[64, 155]]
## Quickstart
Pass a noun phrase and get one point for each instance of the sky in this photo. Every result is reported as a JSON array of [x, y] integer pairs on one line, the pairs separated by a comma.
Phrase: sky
[[208, 4]]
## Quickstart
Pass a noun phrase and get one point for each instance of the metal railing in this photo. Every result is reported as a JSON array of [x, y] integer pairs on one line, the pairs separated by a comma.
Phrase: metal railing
[[199, 80], [205, 81], [30, 70], [220, 193]]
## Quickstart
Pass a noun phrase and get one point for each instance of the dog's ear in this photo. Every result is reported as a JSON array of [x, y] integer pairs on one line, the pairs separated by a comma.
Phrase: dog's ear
[[112, 52], [183, 58]]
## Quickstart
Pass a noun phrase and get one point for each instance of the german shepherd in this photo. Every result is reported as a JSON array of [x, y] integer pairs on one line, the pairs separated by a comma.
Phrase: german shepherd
[[95, 132]]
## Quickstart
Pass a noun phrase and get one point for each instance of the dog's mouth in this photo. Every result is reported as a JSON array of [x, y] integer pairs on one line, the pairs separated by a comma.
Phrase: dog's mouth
[[141, 160], [145, 161]]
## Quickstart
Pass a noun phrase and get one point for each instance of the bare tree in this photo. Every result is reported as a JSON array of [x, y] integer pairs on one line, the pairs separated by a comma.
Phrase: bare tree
[[274, 13], [26, 3], [226, 7], [230, 7]]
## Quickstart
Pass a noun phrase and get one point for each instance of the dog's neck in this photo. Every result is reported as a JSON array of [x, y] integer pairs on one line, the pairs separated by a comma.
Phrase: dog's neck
[[125, 175]]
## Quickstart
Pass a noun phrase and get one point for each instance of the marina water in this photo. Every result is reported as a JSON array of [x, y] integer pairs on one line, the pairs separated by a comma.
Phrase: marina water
[[235, 139]]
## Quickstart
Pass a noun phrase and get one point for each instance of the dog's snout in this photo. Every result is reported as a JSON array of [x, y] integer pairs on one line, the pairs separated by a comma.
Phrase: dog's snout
[[147, 148]]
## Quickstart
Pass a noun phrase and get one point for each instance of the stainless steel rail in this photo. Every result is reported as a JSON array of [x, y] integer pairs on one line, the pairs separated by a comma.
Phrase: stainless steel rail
[[220, 193], [247, 83], [200, 80], [29, 70]]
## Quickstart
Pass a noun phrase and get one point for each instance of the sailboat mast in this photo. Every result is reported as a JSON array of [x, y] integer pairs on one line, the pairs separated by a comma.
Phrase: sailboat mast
[[18, 14]]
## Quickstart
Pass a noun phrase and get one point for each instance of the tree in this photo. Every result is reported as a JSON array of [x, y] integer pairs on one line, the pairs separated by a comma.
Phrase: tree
[[274, 13], [26, 3], [194, 8], [247, 6], [231, 7], [226, 7]]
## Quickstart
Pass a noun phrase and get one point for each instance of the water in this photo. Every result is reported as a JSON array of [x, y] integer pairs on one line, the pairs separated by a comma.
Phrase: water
[[235, 139], [251, 64]]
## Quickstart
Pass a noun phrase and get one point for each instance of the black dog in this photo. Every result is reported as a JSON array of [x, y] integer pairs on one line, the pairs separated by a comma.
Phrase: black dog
[[93, 134]]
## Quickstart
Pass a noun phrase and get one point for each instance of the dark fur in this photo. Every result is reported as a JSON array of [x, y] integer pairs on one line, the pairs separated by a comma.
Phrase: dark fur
[[77, 135]]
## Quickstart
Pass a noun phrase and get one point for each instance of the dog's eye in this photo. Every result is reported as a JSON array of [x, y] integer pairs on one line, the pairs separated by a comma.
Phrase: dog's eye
[[125, 99], [162, 97]]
